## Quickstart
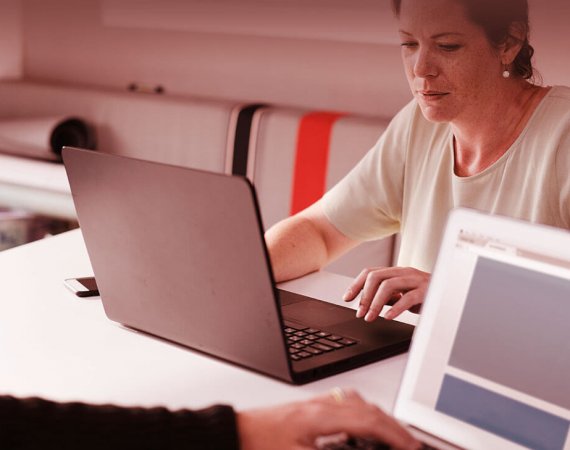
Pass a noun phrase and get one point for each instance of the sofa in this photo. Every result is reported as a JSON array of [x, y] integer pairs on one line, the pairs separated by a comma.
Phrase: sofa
[[292, 156]]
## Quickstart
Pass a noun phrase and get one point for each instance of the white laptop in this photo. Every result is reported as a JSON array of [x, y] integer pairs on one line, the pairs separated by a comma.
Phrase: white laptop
[[489, 366]]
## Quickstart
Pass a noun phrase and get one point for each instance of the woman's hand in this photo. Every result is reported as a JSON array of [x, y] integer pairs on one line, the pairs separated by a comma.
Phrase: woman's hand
[[402, 287], [296, 426]]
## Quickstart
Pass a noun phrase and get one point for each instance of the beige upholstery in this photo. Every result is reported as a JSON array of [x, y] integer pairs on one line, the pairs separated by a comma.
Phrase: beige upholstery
[[186, 132], [272, 162]]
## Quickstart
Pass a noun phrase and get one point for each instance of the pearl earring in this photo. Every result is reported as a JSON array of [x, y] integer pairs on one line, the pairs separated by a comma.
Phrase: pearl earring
[[506, 73]]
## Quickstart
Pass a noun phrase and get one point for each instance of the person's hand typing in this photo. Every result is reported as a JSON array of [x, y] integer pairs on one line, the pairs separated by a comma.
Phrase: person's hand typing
[[402, 287], [297, 426]]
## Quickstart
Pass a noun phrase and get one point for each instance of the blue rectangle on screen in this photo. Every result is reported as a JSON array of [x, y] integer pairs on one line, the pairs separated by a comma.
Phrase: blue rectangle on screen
[[501, 415]]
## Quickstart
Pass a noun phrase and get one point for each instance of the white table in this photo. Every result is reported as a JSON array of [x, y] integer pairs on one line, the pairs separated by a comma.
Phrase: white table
[[57, 346]]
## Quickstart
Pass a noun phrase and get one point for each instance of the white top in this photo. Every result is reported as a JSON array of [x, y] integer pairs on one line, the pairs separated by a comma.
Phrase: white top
[[407, 184]]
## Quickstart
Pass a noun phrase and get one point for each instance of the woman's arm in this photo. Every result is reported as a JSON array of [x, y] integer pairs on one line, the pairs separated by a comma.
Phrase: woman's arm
[[304, 243], [308, 241]]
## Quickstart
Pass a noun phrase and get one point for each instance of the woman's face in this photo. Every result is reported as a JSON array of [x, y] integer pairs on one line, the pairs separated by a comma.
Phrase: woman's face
[[452, 68]]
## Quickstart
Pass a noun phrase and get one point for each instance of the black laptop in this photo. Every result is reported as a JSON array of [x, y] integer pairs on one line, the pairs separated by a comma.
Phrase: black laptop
[[179, 253]]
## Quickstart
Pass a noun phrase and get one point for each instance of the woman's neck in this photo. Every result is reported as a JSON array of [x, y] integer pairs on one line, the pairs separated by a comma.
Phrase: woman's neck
[[480, 141]]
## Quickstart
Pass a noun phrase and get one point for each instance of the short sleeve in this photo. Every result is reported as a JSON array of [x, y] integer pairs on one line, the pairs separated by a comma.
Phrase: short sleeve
[[563, 177], [367, 203]]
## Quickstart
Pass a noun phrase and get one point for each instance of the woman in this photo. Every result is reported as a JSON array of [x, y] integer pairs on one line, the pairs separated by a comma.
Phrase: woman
[[478, 134]]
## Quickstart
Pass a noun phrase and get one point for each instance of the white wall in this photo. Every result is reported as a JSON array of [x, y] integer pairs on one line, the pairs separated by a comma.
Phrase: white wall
[[323, 54], [550, 36], [10, 39], [68, 41]]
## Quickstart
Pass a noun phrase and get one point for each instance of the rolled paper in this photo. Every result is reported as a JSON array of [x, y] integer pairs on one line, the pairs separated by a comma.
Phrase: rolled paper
[[44, 137]]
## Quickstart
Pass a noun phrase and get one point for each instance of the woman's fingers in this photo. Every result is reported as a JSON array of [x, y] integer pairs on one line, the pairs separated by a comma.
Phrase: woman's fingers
[[404, 287], [381, 292], [357, 284], [409, 302]]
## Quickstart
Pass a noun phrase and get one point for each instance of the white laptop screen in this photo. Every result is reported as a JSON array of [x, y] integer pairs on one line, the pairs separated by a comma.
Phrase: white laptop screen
[[490, 365]]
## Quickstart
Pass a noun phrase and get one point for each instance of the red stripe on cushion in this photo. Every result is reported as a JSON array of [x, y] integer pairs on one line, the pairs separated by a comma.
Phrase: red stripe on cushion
[[311, 159]]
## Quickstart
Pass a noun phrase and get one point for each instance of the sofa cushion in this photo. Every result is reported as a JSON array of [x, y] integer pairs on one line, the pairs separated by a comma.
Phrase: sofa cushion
[[276, 146]]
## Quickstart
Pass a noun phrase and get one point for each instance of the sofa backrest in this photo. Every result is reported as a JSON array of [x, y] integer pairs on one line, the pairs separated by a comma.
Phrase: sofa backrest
[[292, 156], [179, 131], [296, 155]]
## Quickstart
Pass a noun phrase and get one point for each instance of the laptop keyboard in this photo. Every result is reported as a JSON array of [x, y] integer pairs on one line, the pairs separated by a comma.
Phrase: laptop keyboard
[[305, 342], [365, 444]]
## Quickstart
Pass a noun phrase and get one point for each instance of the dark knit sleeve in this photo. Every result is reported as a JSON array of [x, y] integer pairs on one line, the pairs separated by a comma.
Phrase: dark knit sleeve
[[35, 423]]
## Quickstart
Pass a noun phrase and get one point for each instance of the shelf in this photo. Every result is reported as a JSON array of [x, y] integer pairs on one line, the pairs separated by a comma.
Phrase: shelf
[[36, 186]]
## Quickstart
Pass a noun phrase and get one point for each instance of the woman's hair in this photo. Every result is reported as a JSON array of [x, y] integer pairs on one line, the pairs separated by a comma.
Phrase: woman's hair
[[496, 18]]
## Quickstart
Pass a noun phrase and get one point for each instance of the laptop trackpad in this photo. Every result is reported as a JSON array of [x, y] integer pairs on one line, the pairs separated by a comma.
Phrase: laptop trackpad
[[314, 312]]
